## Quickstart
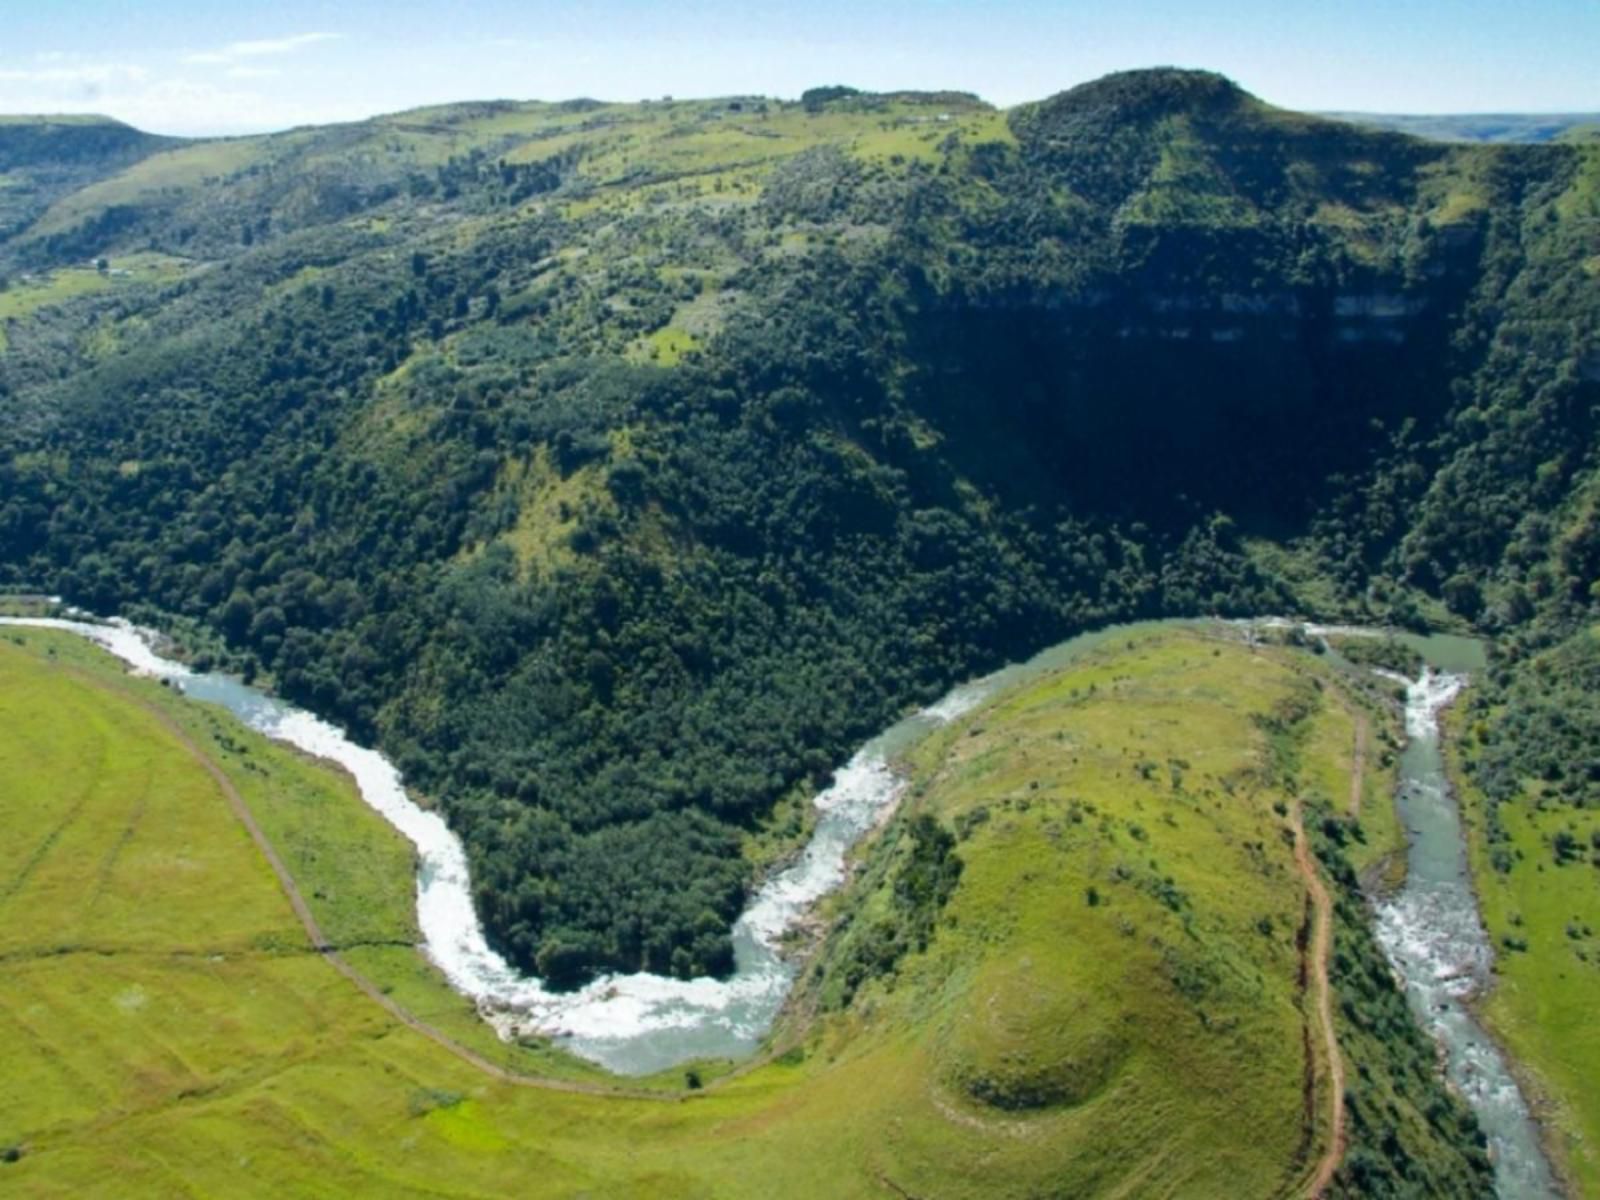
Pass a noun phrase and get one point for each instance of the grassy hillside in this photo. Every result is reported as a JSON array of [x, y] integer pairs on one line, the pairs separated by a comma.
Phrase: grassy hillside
[[1109, 1000], [1535, 848], [213, 198], [44, 158], [618, 467]]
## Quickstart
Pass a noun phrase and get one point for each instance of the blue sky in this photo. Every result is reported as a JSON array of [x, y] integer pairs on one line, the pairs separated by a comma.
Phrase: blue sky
[[180, 66]]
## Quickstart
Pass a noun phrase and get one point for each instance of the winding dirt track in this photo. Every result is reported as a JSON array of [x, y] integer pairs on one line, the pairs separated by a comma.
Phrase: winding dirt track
[[1358, 763], [1321, 948]]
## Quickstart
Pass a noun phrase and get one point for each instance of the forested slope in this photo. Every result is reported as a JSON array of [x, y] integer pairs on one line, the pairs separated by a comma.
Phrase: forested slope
[[617, 467], [44, 159]]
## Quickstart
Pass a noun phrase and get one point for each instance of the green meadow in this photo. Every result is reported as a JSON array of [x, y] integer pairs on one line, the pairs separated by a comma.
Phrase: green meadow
[[1109, 1000], [1543, 917], [28, 295]]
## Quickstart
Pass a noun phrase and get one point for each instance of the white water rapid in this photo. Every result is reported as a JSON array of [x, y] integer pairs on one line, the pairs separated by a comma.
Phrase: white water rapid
[[1432, 934]]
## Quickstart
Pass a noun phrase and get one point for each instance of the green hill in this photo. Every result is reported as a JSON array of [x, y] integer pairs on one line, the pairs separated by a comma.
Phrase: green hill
[[618, 467], [1112, 989], [44, 158]]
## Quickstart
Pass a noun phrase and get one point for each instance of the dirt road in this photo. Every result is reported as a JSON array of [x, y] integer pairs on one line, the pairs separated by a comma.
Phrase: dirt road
[[1358, 763], [1320, 950]]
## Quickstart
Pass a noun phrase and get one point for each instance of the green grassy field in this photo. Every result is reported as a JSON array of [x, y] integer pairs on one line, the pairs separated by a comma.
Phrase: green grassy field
[[26, 296], [1108, 943], [1544, 920], [186, 166], [1357, 725], [169, 1030]]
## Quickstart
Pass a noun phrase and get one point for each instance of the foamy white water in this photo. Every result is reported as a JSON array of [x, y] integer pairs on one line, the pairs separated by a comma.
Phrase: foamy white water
[[1433, 937], [633, 1024], [128, 642], [1310, 628], [961, 700]]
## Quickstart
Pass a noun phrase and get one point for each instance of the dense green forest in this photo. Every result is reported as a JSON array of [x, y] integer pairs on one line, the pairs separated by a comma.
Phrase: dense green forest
[[618, 467]]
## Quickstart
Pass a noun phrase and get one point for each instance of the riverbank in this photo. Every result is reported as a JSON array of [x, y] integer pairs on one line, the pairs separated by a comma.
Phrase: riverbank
[[356, 871], [268, 1055], [1433, 933], [1546, 983], [640, 1024], [864, 792]]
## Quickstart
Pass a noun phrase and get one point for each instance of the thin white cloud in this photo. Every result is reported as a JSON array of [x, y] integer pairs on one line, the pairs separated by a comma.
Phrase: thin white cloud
[[253, 72], [87, 75], [191, 107], [166, 104], [234, 51]]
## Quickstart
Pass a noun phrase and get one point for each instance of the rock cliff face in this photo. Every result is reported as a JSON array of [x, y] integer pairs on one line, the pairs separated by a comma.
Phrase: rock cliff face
[[1161, 408], [1230, 398]]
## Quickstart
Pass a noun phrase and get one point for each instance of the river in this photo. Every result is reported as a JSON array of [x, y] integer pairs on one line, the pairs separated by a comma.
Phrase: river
[[641, 1023], [1433, 935], [1431, 930], [631, 1024]]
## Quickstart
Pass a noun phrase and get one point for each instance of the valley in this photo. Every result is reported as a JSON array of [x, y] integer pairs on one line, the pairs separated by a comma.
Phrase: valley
[[635, 482], [395, 441], [1123, 921]]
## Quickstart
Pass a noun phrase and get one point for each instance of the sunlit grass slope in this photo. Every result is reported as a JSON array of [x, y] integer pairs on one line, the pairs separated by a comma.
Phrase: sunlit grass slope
[[1119, 970], [1543, 915], [1110, 1002]]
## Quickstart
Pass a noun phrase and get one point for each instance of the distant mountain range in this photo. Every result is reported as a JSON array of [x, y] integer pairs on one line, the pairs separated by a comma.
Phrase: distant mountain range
[[1481, 127]]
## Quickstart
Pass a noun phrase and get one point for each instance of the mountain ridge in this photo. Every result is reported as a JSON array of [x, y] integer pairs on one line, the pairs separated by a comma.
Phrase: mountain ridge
[[617, 468]]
